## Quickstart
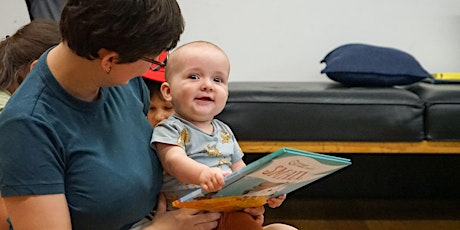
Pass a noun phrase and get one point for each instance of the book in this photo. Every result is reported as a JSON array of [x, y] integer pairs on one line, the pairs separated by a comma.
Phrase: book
[[446, 76], [275, 174]]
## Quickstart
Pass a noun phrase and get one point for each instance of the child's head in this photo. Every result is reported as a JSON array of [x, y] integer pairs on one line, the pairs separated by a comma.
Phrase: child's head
[[197, 81], [19, 51], [159, 108]]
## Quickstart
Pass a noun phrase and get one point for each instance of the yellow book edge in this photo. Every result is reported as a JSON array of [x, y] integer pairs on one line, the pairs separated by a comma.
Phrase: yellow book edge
[[223, 204], [446, 76]]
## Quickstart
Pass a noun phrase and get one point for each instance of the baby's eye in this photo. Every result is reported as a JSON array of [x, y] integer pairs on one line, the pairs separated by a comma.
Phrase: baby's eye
[[218, 79], [193, 76]]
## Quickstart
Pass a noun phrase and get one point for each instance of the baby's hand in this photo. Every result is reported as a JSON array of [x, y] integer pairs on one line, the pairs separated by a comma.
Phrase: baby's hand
[[212, 179], [275, 202]]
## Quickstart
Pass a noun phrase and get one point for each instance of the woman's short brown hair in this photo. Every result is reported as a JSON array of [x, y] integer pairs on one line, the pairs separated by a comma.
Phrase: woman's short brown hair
[[133, 28]]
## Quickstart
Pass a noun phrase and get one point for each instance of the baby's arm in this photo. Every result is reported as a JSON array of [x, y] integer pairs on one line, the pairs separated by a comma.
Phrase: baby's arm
[[176, 162], [238, 165]]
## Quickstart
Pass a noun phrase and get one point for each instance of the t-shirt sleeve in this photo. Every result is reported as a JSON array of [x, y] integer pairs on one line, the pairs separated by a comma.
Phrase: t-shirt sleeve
[[168, 131], [30, 159]]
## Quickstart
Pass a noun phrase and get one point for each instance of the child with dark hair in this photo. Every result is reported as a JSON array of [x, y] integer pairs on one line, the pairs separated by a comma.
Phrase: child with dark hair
[[20, 51], [159, 108]]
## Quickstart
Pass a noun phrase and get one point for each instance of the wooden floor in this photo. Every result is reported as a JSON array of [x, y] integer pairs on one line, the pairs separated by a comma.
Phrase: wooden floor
[[368, 214]]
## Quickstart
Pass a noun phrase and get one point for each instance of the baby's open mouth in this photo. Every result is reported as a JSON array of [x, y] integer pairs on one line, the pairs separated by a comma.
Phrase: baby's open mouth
[[204, 98]]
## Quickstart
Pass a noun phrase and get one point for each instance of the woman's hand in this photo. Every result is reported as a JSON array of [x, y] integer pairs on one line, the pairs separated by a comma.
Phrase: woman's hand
[[183, 218], [276, 201], [257, 213]]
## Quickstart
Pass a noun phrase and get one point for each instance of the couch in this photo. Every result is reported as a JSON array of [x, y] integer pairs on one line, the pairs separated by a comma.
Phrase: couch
[[404, 141]]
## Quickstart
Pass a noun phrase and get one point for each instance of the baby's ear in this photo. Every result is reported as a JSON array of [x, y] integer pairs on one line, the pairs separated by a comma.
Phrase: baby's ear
[[166, 91]]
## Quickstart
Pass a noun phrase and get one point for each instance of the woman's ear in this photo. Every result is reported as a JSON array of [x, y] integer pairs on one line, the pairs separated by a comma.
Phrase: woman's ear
[[108, 58], [166, 91]]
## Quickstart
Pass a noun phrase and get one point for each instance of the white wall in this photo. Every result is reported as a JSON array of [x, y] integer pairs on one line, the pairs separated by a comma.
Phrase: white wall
[[270, 40], [13, 15]]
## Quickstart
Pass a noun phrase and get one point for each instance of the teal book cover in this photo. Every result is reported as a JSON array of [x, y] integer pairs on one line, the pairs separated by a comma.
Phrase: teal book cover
[[275, 174]]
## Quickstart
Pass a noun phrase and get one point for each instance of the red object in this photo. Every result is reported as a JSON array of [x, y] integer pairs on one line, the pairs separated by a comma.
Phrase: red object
[[157, 75]]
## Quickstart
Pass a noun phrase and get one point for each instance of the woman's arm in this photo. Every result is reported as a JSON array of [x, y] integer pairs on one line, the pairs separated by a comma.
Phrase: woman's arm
[[257, 213], [3, 216], [38, 212]]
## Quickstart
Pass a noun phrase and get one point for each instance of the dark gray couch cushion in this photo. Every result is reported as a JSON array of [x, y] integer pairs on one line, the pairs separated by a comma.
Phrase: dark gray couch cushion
[[442, 116], [322, 111]]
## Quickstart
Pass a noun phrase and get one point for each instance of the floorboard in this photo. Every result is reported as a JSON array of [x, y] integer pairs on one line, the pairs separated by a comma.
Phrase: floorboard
[[368, 214]]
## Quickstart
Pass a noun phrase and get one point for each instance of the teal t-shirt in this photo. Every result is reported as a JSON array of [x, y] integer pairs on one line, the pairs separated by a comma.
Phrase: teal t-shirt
[[96, 153]]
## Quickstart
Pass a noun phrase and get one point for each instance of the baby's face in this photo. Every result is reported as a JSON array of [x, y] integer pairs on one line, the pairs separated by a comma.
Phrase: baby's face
[[199, 85]]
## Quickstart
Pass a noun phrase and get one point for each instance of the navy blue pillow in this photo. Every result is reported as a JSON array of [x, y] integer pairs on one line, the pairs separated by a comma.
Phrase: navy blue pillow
[[366, 65]]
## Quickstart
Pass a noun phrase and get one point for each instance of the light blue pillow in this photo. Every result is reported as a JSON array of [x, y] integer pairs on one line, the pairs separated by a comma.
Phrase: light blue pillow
[[367, 65]]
